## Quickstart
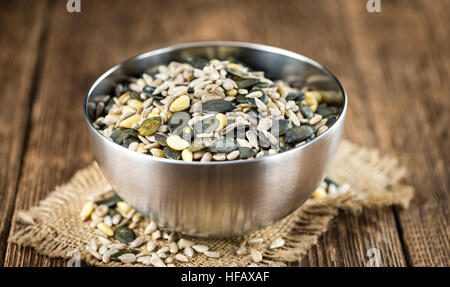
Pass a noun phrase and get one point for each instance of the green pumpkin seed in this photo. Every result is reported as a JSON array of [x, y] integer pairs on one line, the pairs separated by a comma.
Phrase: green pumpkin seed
[[241, 99], [283, 145], [280, 126], [247, 83], [198, 63], [298, 134], [246, 152], [115, 256], [197, 145], [224, 145], [148, 90], [110, 201], [237, 73], [217, 106], [109, 104], [124, 234], [150, 126], [119, 135], [178, 121], [263, 141], [171, 153], [294, 96], [161, 139], [128, 140], [260, 85], [112, 212], [306, 111], [324, 110], [331, 120]]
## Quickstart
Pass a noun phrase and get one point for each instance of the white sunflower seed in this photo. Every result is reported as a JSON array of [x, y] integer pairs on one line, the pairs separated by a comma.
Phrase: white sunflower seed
[[256, 255], [180, 257], [200, 248], [277, 243]]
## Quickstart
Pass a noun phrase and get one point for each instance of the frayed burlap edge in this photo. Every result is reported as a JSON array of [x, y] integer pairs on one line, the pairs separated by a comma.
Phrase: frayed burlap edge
[[54, 229]]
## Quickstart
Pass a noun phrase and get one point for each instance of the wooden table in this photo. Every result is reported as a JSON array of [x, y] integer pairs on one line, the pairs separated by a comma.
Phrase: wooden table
[[395, 66]]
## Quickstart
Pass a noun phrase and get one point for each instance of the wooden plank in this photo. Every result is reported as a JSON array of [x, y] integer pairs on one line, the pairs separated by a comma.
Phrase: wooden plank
[[404, 53], [20, 35], [90, 42]]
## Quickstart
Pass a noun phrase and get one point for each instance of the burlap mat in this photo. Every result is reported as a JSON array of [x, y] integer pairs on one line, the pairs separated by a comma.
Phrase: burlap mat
[[54, 227]]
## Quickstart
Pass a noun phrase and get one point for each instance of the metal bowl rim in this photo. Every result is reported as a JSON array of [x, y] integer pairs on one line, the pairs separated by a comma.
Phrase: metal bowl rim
[[261, 47]]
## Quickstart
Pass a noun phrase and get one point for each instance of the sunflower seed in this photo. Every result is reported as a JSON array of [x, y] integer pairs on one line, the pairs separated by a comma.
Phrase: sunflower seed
[[256, 255], [200, 248], [212, 254], [277, 243], [157, 261], [151, 245], [137, 242], [184, 243], [127, 258], [189, 251]]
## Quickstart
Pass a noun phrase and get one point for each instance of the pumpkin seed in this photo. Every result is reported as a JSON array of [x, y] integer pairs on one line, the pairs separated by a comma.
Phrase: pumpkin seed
[[324, 110], [236, 73], [245, 152], [224, 145], [150, 126], [198, 63], [161, 139], [118, 135], [171, 153], [217, 106], [124, 234], [148, 90], [247, 83], [280, 126], [197, 145], [298, 134], [306, 111], [331, 120], [241, 99]]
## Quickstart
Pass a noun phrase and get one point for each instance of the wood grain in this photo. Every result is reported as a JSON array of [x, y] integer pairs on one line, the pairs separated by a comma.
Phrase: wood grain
[[20, 40], [407, 76], [397, 81]]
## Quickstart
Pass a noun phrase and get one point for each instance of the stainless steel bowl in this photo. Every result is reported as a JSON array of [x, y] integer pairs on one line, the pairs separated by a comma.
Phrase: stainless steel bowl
[[217, 199]]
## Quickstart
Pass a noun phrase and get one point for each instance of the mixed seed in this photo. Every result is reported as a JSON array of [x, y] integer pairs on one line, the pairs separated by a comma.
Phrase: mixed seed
[[123, 235], [212, 111]]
